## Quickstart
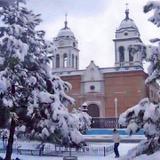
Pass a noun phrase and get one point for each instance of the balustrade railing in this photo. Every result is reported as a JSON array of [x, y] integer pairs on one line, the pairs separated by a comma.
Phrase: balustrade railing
[[103, 122]]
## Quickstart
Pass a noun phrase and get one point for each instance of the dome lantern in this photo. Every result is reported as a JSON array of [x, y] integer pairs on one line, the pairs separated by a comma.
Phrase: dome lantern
[[127, 11], [65, 22]]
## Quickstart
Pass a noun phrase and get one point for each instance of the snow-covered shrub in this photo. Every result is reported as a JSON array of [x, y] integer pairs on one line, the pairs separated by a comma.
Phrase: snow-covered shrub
[[144, 115]]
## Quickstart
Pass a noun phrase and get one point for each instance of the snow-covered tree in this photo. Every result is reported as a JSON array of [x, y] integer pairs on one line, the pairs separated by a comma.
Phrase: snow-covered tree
[[52, 122], [5, 3], [29, 93], [146, 114], [22, 62]]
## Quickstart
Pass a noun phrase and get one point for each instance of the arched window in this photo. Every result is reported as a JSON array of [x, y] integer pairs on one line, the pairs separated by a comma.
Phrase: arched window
[[121, 54], [65, 60], [57, 61], [74, 44], [130, 56], [76, 62], [72, 60]]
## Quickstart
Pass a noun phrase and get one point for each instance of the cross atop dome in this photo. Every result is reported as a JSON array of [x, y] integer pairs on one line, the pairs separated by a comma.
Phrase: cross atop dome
[[126, 5], [127, 12], [65, 22]]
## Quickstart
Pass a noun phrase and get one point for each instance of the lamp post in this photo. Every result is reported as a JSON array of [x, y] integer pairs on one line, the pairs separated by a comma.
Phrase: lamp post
[[116, 111]]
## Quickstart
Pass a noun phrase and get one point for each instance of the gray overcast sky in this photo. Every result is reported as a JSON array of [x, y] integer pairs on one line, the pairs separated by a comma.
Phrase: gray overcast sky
[[93, 23]]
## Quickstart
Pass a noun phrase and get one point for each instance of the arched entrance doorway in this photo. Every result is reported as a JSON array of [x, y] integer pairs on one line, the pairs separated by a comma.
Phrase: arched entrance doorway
[[93, 111]]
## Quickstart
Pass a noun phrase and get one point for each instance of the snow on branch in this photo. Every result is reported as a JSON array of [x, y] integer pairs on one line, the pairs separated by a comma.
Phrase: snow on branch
[[144, 115], [5, 3], [133, 117], [154, 40], [153, 5]]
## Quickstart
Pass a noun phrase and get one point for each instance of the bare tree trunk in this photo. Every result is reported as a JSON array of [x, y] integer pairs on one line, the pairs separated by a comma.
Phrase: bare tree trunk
[[10, 140]]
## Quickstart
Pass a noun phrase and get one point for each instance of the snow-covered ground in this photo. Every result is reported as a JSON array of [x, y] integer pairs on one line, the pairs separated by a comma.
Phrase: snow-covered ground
[[123, 148]]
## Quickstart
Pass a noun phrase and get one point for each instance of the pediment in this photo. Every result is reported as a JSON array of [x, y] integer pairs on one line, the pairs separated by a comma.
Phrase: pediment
[[92, 73]]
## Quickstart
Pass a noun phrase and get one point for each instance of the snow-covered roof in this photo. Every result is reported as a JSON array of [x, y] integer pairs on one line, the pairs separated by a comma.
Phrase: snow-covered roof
[[102, 70], [65, 32], [121, 69]]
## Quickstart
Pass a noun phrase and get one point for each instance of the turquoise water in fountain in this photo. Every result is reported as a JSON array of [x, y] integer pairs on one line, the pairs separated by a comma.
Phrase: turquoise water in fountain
[[110, 132]]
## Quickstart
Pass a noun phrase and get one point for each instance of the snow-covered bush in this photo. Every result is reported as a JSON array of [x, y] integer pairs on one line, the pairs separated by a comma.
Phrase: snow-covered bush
[[53, 122], [83, 120], [146, 114]]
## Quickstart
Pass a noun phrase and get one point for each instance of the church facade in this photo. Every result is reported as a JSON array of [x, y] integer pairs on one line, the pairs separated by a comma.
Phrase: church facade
[[106, 91]]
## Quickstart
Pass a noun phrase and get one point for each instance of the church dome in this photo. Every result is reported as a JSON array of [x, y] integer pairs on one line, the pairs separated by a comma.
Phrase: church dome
[[65, 32], [127, 22]]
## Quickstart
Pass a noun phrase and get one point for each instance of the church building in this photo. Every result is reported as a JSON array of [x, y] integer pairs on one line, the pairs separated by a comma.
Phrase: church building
[[106, 91]]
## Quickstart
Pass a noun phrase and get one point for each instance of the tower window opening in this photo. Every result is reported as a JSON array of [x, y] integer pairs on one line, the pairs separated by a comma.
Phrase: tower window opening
[[74, 44], [57, 61], [130, 57], [121, 54], [72, 60], [76, 62], [65, 60]]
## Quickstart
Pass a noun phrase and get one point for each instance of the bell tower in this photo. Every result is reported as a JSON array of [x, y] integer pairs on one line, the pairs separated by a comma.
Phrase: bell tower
[[127, 34], [66, 54]]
